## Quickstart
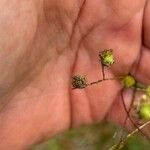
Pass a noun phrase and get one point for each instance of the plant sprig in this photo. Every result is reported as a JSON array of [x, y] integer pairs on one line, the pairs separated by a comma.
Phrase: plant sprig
[[106, 59], [120, 145]]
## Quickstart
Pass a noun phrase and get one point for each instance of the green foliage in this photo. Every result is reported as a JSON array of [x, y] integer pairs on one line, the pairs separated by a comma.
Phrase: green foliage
[[136, 143], [92, 137]]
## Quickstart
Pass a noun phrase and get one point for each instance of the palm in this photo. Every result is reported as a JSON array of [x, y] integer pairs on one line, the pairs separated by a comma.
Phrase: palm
[[54, 42]]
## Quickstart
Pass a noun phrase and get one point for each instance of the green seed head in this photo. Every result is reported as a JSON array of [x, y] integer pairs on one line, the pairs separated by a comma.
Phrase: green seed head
[[147, 91], [144, 111], [106, 57], [128, 81], [79, 81]]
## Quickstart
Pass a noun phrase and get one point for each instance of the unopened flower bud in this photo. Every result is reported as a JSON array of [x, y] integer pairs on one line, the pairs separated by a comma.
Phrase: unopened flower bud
[[144, 111], [128, 81], [79, 81], [106, 57]]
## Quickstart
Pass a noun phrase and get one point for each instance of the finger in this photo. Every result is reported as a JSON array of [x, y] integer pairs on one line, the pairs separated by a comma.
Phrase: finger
[[126, 8], [92, 103], [146, 25], [142, 71], [107, 29], [100, 11], [117, 113]]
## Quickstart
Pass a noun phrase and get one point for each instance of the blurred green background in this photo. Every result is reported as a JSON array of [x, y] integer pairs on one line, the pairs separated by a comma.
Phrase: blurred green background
[[93, 137]]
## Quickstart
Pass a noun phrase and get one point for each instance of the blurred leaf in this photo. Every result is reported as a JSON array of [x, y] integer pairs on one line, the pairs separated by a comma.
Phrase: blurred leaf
[[92, 137]]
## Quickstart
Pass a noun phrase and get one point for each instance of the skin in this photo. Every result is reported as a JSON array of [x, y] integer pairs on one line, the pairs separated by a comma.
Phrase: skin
[[44, 42]]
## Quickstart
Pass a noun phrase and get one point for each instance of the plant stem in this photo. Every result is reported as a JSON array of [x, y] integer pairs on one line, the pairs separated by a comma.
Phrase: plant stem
[[98, 81], [115, 147], [103, 71], [101, 80]]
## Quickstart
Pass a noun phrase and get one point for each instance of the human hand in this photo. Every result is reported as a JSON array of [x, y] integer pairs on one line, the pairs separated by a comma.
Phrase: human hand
[[43, 43]]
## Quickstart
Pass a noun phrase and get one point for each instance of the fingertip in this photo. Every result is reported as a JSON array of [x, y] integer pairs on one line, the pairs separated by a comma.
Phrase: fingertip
[[141, 69]]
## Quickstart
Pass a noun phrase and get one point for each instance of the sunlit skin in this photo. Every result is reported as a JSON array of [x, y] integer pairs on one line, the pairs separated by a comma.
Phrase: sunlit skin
[[43, 43]]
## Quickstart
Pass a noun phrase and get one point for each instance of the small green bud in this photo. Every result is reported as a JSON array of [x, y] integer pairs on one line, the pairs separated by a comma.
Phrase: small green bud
[[128, 81], [79, 81], [106, 57], [144, 111], [147, 91]]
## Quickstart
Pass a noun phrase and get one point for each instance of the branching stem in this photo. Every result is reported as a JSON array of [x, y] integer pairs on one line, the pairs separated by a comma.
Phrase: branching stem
[[116, 147]]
